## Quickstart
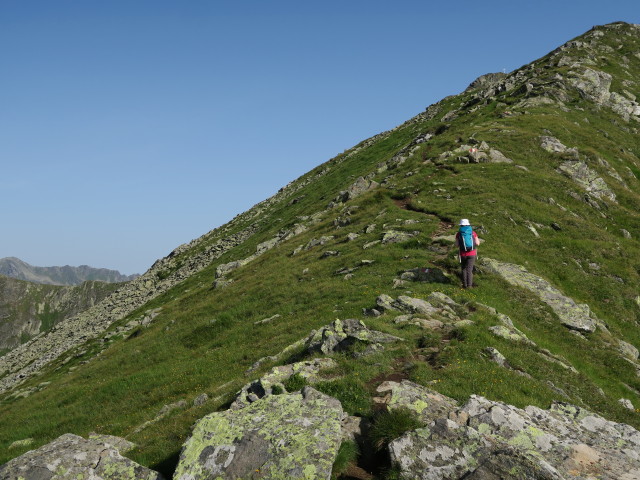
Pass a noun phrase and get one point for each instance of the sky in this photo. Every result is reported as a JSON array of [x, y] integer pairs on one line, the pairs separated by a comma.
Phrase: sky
[[130, 127]]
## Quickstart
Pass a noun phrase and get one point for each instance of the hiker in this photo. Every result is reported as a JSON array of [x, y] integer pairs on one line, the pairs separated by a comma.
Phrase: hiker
[[467, 242]]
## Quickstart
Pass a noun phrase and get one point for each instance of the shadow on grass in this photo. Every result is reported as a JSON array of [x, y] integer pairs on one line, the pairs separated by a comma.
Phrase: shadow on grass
[[167, 466]]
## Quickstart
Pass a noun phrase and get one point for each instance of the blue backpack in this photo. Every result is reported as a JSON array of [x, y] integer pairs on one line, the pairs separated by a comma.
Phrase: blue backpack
[[466, 238]]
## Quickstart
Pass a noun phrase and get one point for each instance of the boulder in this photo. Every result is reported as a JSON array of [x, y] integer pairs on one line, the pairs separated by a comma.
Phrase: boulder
[[490, 440], [423, 274], [394, 236], [427, 404], [280, 436], [571, 314], [342, 335], [588, 179], [414, 305], [73, 457], [274, 380], [552, 144], [628, 350]]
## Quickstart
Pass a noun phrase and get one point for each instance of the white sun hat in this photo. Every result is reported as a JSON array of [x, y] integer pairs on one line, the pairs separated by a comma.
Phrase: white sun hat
[[464, 221]]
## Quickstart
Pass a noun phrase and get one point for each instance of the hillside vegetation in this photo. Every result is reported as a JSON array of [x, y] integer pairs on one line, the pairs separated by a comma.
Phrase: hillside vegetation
[[544, 161]]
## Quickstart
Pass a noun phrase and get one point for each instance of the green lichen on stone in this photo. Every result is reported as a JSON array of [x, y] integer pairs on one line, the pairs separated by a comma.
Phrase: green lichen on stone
[[420, 405], [522, 440], [289, 431], [484, 429]]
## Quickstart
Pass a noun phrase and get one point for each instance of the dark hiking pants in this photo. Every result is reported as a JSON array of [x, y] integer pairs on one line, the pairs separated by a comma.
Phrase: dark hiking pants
[[467, 270]]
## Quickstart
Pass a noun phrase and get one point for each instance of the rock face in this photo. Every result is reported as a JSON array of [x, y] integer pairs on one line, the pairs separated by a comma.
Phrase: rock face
[[75, 458], [572, 315], [491, 440], [280, 436]]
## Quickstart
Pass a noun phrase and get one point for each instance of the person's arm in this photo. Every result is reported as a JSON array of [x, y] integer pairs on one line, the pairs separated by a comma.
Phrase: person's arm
[[476, 240]]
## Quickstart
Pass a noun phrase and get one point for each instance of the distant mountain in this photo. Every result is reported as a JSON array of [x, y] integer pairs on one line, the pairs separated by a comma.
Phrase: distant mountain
[[16, 268], [26, 309]]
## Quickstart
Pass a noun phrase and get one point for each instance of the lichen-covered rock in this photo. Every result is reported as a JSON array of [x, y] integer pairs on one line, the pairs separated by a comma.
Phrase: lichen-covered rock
[[490, 440], [279, 437], [552, 144], [273, 381], [395, 236], [426, 403], [429, 275], [344, 334], [413, 305], [588, 179], [75, 458], [572, 315], [512, 334], [628, 350]]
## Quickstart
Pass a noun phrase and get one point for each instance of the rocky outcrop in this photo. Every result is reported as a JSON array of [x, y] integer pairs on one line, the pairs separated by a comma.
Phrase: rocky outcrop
[[280, 436], [273, 382], [70, 457], [487, 439], [588, 179], [571, 314], [342, 335]]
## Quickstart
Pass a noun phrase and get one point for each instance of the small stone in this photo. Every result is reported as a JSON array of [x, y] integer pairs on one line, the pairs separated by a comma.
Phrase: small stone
[[625, 233], [626, 403], [200, 400]]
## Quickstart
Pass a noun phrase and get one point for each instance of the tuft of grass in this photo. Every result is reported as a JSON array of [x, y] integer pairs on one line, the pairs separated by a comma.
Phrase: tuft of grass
[[347, 455], [389, 425], [294, 383]]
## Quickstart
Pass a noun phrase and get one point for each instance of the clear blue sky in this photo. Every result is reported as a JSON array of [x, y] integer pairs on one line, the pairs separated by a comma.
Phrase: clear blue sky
[[130, 127]]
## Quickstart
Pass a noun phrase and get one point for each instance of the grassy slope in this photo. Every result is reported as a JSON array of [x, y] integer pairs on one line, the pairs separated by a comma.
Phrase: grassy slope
[[205, 339]]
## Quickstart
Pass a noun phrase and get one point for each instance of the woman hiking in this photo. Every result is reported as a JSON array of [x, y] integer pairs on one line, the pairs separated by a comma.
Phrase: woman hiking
[[467, 242]]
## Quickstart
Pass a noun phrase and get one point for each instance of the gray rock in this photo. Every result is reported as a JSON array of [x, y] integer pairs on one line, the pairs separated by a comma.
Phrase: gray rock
[[426, 403], [394, 236], [370, 244], [496, 156], [572, 315], [628, 350], [166, 409], [352, 236], [343, 335], [385, 302], [428, 275], [626, 403], [309, 370], [25, 442], [625, 233], [73, 457], [552, 144], [414, 305], [281, 436], [491, 440], [267, 320], [588, 179], [200, 400]]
